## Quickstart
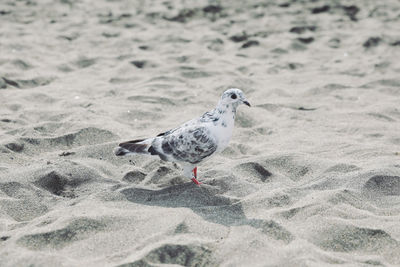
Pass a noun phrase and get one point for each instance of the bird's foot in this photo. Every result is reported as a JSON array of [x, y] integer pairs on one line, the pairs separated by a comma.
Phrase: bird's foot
[[194, 172], [195, 181]]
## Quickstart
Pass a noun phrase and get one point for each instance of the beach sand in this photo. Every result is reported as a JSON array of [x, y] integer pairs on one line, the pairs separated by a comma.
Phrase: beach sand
[[311, 176]]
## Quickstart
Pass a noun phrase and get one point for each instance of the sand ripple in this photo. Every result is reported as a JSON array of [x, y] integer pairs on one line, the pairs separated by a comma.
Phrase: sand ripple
[[311, 177]]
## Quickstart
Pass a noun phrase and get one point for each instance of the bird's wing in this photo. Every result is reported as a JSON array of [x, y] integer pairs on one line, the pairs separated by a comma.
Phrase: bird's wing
[[189, 143]]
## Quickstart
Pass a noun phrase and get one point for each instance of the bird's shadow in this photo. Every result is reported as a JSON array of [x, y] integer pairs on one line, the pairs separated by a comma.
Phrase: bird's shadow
[[207, 202]]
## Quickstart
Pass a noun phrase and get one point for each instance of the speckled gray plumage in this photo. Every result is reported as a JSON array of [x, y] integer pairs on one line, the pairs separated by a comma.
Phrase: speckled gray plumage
[[188, 144]]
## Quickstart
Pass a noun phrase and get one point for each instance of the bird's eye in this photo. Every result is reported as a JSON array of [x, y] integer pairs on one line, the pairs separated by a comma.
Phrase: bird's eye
[[233, 96]]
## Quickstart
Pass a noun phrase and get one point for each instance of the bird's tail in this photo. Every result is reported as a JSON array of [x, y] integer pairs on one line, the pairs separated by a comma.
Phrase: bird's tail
[[139, 146]]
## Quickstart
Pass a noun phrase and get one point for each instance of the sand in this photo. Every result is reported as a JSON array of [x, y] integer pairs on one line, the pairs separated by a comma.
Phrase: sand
[[311, 176]]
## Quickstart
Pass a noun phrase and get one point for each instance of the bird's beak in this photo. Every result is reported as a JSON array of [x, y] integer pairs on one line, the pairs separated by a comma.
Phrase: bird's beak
[[246, 103]]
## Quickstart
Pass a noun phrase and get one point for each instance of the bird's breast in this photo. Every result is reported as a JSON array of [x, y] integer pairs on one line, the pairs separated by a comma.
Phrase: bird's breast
[[223, 132]]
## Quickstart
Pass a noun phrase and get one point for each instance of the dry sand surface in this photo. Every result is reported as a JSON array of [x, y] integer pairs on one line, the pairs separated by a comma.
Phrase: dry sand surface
[[312, 174]]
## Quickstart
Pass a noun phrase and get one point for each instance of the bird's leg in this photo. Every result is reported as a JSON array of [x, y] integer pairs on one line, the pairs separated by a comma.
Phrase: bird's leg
[[194, 172]]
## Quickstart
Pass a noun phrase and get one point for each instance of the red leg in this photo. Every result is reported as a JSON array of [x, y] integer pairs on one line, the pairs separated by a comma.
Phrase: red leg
[[195, 172], [195, 176]]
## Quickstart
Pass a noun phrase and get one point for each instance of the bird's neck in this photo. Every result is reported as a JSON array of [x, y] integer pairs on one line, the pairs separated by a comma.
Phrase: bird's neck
[[226, 113], [221, 114], [225, 109]]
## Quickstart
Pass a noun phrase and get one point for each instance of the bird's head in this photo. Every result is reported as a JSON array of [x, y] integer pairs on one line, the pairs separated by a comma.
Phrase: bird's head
[[234, 97]]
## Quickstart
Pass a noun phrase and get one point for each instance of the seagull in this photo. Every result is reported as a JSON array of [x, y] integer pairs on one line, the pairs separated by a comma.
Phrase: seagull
[[193, 141]]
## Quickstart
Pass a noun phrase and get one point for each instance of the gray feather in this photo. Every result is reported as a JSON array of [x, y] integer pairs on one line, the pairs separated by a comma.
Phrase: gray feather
[[189, 144]]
